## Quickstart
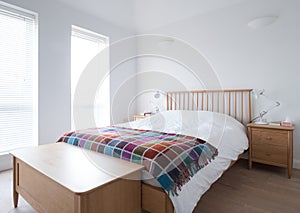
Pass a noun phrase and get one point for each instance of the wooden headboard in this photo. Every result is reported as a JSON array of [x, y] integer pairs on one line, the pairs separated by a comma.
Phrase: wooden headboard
[[233, 102]]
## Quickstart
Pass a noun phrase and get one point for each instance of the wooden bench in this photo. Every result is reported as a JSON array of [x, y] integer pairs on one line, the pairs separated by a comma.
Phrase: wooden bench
[[63, 178]]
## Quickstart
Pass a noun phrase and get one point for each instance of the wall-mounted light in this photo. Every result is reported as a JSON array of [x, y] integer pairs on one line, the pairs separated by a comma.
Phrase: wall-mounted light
[[156, 95], [263, 21]]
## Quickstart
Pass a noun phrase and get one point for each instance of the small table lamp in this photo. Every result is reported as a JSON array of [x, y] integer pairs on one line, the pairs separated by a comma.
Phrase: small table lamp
[[155, 102], [264, 109]]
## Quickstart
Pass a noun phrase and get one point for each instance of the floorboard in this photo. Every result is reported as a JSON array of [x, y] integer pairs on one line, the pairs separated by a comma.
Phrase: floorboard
[[262, 189]]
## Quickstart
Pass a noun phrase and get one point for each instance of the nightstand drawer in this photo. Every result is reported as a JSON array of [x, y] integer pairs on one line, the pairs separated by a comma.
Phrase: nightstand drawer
[[267, 153], [269, 136]]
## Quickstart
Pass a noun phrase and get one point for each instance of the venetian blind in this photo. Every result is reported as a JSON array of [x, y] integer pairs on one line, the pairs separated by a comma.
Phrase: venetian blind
[[18, 78]]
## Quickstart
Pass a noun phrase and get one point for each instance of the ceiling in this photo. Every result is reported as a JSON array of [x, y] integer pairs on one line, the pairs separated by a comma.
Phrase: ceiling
[[144, 15]]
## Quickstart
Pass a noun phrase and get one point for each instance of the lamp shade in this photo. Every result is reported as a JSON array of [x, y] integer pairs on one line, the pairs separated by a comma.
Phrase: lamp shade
[[156, 95], [256, 93]]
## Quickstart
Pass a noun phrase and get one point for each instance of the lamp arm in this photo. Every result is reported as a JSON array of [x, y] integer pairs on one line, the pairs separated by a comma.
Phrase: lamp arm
[[264, 112], [261, 115], [277, 104]]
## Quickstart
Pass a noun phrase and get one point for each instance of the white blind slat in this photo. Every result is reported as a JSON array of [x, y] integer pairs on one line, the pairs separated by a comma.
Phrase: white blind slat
[[17, 70]]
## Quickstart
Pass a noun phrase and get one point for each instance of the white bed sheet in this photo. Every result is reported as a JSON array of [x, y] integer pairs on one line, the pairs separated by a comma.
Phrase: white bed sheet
[[221, 131]]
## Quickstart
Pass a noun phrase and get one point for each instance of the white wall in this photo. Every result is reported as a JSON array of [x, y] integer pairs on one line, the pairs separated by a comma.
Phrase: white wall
[[246, 58], [240, 57], [55, 20]]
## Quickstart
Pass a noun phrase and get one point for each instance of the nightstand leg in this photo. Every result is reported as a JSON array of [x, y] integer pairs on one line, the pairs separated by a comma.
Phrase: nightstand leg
[[250, 158], [290, 172]]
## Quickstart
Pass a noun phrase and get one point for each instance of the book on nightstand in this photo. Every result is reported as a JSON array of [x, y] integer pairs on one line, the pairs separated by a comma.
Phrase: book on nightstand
[[275, 123]]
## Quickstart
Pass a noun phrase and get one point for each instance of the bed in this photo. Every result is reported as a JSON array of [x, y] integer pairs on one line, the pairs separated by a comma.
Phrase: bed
[[212, 115]]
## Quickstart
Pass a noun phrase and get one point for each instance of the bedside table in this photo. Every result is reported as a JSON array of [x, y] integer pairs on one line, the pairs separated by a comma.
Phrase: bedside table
[[272, 145]]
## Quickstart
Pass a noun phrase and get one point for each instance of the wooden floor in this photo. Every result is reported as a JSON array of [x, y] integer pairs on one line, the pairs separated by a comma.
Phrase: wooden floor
[[262, 189], [6, 202]]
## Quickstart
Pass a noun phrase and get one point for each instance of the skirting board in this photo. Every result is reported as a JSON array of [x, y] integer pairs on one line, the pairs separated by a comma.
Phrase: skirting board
[[6, 162], [296, 164]]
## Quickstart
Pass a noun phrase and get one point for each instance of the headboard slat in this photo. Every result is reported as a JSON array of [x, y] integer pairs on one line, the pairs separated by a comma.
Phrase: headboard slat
[[233, 102]]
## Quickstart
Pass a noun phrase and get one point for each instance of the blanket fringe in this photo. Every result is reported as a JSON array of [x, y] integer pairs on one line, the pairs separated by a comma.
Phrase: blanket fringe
[[191, 169]]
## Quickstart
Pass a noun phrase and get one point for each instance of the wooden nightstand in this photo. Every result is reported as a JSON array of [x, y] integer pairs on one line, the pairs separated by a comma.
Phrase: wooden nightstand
[[272, 145]]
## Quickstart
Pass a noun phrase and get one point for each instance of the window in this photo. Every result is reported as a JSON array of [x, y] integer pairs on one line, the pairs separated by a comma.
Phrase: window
[[18, 78], [85, 45]]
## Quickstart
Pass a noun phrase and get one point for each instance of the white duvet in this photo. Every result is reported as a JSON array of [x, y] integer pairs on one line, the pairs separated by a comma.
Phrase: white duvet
[[221, 131]]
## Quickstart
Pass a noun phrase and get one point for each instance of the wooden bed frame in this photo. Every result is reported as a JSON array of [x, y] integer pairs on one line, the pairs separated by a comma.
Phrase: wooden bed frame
[[233, 102], [236, 103]]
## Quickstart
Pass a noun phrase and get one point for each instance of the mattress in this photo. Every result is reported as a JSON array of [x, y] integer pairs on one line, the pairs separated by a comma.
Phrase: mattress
[[222, 131]]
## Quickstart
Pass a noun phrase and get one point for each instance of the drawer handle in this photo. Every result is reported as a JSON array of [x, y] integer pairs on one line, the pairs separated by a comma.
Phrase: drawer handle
[[269, 138]]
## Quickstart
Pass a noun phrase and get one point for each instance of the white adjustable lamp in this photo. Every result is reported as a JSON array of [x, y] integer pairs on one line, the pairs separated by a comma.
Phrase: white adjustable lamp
[[155, 102], [258, 94]]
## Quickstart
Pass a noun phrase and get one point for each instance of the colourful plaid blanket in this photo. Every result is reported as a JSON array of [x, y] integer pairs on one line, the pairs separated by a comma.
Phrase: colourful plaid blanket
[[171, 158]]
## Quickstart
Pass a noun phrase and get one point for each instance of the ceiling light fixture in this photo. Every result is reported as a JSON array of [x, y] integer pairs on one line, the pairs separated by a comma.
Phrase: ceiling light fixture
[[263, 21]]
